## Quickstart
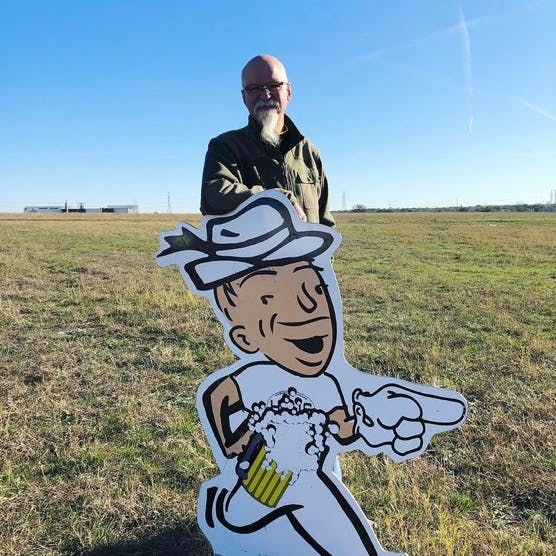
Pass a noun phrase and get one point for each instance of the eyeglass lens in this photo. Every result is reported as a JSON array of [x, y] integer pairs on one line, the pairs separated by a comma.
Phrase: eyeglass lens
[[270, 87]]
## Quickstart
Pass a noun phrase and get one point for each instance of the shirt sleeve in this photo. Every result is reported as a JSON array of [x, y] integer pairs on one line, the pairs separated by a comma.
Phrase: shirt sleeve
[[221, 188], [325, 216]]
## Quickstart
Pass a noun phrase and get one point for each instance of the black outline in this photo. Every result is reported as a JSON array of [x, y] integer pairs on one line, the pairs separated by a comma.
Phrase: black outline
[[306, 537], [230, 437], [253, 526], [350, 513]]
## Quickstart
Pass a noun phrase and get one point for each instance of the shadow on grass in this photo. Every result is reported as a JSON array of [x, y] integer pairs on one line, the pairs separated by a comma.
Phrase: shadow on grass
[[182, 540]]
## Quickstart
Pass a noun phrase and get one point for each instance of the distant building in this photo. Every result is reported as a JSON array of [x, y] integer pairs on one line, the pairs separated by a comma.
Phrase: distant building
[[121, 209], [129, 209], [43, 209]]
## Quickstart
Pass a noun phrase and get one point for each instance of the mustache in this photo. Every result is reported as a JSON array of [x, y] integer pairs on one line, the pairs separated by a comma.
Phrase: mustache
[[267, 105]]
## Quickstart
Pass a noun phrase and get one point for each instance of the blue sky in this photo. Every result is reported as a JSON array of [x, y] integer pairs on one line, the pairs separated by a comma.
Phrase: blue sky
[[412, 103]]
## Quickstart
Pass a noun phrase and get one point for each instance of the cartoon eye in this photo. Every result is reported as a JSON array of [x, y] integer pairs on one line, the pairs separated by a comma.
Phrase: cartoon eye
[[265, 298]]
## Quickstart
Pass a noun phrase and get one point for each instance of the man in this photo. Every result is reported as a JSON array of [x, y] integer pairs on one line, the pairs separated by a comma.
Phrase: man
[[269, 153], [277, 418]]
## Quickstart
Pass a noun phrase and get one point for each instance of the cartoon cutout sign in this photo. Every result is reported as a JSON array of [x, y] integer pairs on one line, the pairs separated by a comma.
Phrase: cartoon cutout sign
[[277, 418]]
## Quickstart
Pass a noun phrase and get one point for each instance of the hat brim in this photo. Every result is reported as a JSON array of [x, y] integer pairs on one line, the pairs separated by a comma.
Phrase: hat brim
[[208, 274]]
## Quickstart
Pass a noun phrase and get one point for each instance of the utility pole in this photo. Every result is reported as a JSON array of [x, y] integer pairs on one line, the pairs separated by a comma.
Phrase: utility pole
[[169, 209]]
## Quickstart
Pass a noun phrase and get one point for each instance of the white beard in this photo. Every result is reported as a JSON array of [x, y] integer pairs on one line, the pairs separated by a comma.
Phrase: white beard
[[267, 115]]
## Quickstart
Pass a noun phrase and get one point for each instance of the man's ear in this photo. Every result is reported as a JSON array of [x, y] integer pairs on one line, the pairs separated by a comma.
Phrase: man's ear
[[243, 99], [238, 335]]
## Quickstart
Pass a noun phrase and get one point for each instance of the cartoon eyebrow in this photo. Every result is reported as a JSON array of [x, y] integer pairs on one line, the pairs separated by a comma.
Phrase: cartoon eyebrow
[[308, 265], [305, 265], [257, 272]]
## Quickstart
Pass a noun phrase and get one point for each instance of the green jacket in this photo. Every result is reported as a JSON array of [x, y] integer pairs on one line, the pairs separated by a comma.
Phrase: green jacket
[[238, 164]]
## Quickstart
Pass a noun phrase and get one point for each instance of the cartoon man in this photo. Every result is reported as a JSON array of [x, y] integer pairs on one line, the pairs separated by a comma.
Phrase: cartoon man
[[278, 417]]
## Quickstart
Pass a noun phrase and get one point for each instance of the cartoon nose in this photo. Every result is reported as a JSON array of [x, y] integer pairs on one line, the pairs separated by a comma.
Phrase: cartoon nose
[[305, 300]]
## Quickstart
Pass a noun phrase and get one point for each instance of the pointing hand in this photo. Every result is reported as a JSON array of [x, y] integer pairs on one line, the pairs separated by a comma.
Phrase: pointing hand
[[401, 417]]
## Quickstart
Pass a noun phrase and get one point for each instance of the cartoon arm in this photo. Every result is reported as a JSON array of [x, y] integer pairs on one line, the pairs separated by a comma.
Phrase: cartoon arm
[[220, 402], [403, 418]]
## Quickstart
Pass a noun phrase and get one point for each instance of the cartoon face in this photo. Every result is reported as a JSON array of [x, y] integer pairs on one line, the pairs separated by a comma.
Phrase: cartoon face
[[285, 312]]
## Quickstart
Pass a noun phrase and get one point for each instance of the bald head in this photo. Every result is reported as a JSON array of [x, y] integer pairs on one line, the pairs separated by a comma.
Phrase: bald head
[[261, 69], [266, 93]]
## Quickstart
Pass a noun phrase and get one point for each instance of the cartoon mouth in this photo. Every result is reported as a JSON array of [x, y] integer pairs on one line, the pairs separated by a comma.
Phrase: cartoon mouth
[[309, 345]]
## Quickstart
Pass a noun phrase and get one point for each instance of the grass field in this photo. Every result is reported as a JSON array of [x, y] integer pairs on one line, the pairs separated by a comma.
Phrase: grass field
[[101, 353]]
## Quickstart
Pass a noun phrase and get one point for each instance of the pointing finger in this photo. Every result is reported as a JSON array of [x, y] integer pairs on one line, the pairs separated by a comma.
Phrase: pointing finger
[[440, 410], [447, 409]]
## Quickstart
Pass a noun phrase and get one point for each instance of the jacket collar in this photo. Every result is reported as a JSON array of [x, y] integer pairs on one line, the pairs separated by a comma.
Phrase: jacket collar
[[289, 140]]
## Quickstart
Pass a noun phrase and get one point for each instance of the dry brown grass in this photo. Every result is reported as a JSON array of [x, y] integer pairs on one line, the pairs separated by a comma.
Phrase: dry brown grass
[[101, 353]]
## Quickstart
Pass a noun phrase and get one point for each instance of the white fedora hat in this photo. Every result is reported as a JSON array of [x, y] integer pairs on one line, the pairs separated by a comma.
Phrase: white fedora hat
[[260, 232]]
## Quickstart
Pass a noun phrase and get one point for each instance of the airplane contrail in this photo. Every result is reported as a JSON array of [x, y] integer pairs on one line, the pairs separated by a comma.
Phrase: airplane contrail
[[467, 64], [446, 31], [539, 110]]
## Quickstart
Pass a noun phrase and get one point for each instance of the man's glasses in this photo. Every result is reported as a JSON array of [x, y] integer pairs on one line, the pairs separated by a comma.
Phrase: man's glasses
[[270, 87]]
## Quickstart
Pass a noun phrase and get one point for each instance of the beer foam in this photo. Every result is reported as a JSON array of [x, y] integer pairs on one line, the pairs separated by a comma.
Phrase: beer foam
[[294, 432]]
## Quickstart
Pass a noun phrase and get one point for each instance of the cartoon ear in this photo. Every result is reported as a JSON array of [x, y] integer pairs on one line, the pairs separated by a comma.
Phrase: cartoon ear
[[356, 393], [238, 335]]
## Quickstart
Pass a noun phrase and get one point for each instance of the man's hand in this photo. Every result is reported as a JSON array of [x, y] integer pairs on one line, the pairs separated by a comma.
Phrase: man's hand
[[239, 446], [397, 416], [300, 211]]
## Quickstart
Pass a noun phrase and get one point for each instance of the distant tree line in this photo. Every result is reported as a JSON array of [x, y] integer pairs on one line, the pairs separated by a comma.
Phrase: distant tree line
[[538, 207]]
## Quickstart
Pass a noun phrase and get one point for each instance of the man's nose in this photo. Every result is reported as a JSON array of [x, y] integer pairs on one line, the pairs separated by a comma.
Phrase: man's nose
[[305, 300], [265, 93]]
